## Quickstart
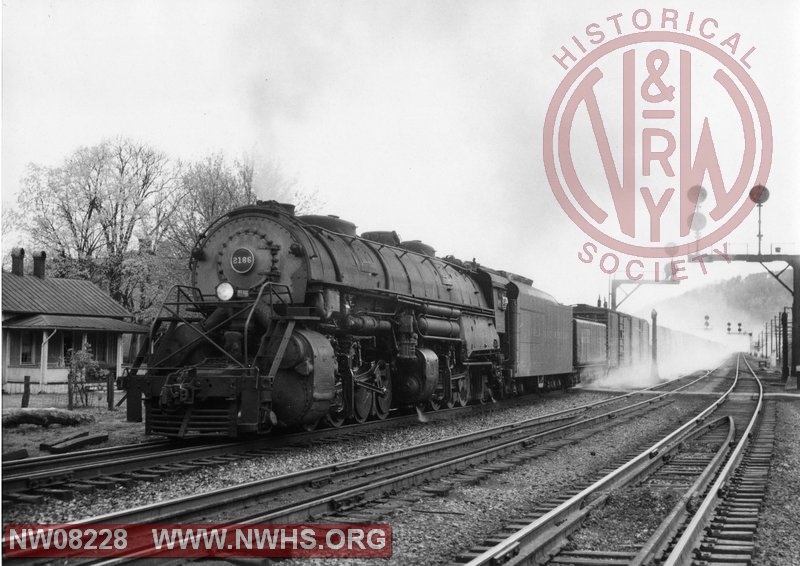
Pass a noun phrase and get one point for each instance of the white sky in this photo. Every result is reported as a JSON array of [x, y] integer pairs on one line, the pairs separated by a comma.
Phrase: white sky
[[422, 117]]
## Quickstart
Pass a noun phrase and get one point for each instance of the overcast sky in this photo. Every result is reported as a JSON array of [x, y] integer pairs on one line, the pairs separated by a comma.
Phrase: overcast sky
[[420, 117]]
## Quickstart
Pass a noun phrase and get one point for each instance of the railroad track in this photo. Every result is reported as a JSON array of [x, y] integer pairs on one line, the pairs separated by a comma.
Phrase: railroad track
[[695, 464], [62, 476], [345, 488], [724, 526]]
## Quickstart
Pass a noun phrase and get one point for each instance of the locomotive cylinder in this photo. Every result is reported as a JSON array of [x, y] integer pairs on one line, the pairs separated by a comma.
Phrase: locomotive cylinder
[[418, 377], [302, 393]]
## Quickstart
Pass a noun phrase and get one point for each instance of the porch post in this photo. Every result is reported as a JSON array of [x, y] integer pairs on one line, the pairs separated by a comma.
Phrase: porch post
[[6, 355], [118, 371], [43, 360]]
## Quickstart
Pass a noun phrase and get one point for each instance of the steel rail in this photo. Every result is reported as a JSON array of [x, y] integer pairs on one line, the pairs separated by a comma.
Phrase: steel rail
[[301, 510], [644, 470], [212, 500], [670, 525], [681, 553], [180, 509], [48, 462], [529, 537], [53, 471]]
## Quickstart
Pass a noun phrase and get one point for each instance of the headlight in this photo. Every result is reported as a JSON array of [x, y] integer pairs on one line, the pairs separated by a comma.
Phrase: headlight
[[225, 291]]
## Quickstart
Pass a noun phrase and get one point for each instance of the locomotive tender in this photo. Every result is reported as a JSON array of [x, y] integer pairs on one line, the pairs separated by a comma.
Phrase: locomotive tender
[[296, 320]]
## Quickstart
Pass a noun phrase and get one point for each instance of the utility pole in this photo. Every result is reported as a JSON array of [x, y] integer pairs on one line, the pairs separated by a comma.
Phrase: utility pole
[[775, 343], [785, 328], [768, 329]]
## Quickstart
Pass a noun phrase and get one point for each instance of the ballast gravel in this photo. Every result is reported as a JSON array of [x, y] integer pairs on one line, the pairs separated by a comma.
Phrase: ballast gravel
[[434, 530], [778, 542], [101, 502]]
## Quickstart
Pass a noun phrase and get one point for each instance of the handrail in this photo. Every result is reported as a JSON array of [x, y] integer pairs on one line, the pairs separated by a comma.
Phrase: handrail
[[176, 313], [272, 292]]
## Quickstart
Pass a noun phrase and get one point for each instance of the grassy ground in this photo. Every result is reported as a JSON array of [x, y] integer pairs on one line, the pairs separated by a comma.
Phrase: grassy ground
[[30, 436]]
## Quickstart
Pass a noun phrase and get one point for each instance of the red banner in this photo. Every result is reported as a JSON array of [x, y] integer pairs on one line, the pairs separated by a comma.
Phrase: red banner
[[198, 541]]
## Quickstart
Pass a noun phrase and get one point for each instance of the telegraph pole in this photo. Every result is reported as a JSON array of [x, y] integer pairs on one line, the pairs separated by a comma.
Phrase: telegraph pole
[[784, 329]]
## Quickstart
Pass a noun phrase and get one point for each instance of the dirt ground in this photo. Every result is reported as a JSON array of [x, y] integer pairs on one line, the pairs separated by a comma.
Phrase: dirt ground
[[30, 436]]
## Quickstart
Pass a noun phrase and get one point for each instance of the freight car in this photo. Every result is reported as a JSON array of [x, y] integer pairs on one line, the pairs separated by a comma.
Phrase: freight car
[[590, 349], [294, 320], [612, 340], [678, 346], [627, 339]]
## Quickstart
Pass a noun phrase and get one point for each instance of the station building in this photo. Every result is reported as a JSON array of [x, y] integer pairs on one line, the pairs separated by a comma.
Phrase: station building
[[45, 317]]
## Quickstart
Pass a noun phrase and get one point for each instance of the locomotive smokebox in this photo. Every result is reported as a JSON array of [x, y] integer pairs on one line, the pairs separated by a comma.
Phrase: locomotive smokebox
[[417, 378]]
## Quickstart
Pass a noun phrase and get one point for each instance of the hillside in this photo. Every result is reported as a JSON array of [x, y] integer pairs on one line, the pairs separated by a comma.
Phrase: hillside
[[751, 300]]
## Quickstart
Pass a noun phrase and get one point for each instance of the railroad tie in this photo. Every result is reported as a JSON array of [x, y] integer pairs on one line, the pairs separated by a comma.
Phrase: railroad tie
[[594, 557], [730, 537], [58, 493], [23, 497], [100, 483], [79, 487]]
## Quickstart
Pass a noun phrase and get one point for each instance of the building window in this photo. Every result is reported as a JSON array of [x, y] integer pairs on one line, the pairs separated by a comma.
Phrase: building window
[[25, 347], [27, 352]]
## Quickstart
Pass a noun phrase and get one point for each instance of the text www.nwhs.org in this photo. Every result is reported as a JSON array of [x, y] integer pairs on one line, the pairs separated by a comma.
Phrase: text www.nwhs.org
[[171, 540]]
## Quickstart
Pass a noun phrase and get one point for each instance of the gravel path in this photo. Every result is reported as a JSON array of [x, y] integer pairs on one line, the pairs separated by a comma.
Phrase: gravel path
[[100, 502], [778, 541], [433, 530]]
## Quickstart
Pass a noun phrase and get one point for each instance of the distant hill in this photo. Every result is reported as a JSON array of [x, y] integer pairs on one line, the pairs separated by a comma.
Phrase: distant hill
[[751, 300]]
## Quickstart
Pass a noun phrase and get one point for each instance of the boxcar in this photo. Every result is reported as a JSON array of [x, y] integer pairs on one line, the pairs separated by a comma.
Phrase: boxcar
[[589, 348], [611, 319]]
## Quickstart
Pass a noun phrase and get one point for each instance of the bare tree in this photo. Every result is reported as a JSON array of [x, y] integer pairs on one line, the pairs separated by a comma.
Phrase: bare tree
[[208, 189], [10, 223], [87, 210], [58, 207], [91, 211], [138, 178], [96, 199]]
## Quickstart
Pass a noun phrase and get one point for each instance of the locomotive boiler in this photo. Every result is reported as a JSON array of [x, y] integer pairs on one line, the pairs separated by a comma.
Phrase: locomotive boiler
[[295, 320]]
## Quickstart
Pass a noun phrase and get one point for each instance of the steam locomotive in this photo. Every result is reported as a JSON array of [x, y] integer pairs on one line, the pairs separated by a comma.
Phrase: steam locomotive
[[295, 321]]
